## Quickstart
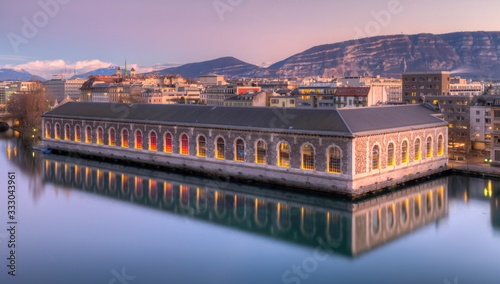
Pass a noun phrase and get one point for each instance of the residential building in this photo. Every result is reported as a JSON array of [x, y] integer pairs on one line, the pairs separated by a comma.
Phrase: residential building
[[249, 99], [282, 101], [481, 121], [419, 85], [59, 89], [212, 80], [216, 95]]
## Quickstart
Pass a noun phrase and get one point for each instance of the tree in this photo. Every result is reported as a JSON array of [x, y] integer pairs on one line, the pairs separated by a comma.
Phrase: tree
[[27, 108]]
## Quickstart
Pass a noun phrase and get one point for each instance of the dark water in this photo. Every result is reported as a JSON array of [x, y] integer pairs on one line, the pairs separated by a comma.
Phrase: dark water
[[86, 221]]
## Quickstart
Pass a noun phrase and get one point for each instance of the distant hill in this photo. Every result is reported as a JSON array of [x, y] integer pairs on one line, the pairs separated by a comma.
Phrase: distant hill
[[110, 70], [16, 75], [228, 66], [470, 54]]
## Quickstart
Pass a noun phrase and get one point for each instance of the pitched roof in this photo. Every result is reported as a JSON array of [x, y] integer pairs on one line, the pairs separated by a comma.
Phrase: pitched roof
[[366, 119], [344, 122]]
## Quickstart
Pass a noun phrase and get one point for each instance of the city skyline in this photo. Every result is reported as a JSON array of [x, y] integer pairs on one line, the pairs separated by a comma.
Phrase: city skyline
[[55, 34]]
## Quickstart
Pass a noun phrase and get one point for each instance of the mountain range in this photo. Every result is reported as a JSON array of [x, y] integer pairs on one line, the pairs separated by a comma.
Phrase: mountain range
[[467, 54], [17, 75]]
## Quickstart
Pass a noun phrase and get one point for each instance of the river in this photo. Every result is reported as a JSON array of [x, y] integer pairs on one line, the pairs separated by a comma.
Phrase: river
[[89, 221]]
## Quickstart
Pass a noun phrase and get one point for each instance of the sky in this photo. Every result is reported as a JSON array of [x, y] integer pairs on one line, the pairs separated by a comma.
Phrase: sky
[[49, 36]]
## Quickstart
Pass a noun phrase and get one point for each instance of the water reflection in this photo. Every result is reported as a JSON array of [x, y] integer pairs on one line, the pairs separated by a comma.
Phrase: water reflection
[[27, 161], [349, 228], [485, 190]]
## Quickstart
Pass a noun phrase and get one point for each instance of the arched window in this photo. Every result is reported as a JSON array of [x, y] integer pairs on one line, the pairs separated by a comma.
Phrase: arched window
[[125, 138], [240, 150], [429, 147], [67, 131], [375, 158], [261, 157], [100, 136], [417, 149], [404, 152], [88, 134], [167, 142], [440, 145], [284, 155], [138, 139], [78, 136], [112, 137], [334, 156], [152, 141], [47, 130], [202, 146], [184, 144], [219, 148], [307, 157], [390, 155], [57, 132]]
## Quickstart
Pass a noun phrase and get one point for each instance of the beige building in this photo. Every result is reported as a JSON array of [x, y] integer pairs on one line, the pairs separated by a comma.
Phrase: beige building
[[282, 101], [212, 80]]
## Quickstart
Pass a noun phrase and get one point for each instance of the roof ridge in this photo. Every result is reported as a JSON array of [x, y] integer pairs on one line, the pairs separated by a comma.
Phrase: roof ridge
[[343, 120]]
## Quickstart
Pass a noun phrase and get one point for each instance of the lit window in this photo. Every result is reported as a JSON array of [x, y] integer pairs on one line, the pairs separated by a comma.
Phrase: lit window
[[307, 157], [66, 132], [125, 138], [77, 133], [417, 150], [404, 152], [47, 130], [57, 133], [167, 143], [184, 144], [88, 134], [138, 139], [440, 145], [202, 146], [219, 148], [99, 135], [334, 158], [284, 155], [429, 147], [261, 153], [390, 155], [240, 150], [112, 137], [152, 141], [375, 158]]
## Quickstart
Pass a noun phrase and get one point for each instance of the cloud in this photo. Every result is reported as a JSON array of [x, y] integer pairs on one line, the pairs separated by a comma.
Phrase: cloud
[[51, 68], [13, 57]]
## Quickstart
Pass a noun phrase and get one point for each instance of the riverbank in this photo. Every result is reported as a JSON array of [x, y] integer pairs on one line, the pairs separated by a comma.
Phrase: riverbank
[[474, 166]]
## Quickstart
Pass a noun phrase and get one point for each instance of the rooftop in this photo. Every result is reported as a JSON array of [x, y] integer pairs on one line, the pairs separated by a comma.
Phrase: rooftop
[[344, 122]]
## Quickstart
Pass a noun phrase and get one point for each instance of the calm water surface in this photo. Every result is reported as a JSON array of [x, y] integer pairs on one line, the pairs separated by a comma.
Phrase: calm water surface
[[86, 221]]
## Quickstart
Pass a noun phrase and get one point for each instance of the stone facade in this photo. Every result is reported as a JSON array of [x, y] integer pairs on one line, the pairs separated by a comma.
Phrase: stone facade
[[312, 160]]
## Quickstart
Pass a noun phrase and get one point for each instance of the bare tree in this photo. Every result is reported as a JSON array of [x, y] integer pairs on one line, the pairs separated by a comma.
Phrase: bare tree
[[27, 108]]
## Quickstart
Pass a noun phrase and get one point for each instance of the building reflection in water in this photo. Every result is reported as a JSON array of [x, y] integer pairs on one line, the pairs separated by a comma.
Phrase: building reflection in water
[[347, 227], [27, 161]]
